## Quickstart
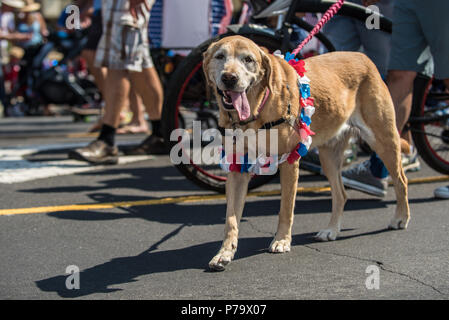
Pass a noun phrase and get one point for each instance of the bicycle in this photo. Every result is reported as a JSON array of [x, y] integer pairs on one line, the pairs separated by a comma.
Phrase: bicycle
[[429, 123], [43, 80], [190, 99]]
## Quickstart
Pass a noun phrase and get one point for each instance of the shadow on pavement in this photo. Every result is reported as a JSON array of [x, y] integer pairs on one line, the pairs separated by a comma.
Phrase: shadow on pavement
[[205, 213], [143, 179], [98, 279]]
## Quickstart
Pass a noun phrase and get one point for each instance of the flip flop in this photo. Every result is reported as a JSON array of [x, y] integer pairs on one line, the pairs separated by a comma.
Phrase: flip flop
[[132, 129]]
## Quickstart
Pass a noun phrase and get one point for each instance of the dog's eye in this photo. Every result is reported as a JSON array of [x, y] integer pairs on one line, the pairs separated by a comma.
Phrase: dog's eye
[[220, 56], [248, 59]]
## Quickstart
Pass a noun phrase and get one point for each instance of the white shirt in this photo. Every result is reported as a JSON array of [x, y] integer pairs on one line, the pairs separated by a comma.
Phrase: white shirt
[[7, 25]]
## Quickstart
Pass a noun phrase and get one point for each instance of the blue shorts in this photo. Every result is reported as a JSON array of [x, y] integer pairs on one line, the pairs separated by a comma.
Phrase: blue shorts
[[349, 34], [420, 26]]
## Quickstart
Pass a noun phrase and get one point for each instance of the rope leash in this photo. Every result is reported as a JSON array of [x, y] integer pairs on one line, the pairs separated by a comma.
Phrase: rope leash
[[326, 17]]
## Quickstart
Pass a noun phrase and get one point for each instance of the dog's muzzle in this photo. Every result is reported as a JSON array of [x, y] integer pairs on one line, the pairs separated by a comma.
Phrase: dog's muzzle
[[229, 80]]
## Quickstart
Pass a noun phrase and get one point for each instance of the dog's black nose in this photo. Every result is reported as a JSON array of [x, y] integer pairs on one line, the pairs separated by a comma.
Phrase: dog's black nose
[[229, 79]]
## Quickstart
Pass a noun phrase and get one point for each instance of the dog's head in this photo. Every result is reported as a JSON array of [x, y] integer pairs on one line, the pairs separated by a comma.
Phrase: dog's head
[[233, 66]]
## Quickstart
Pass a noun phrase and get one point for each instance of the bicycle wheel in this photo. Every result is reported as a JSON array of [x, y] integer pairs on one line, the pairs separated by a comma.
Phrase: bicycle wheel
[[429, 123], [191, 99]]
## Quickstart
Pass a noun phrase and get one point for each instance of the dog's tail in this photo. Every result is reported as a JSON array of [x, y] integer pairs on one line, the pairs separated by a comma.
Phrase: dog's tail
[[405, 146]]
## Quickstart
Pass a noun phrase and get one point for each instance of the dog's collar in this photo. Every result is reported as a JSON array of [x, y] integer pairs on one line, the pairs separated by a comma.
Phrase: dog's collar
[[269, 125]]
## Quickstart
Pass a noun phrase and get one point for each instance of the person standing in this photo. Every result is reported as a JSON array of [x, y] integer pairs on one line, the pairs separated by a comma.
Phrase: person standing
[[8, 34], [418, 27], [124, 51]]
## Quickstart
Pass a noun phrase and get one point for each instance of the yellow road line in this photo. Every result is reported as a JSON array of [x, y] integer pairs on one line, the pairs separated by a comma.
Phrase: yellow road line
[[184, 199]]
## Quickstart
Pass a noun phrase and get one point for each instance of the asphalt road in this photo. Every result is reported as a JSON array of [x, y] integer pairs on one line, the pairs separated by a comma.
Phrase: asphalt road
[[156, 250]]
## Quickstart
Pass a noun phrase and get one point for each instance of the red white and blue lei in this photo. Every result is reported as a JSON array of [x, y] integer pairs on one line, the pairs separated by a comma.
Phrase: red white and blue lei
[[264, 165]]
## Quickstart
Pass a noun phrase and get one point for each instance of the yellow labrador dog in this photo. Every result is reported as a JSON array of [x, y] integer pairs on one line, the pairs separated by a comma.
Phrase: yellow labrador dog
[[349, 96]]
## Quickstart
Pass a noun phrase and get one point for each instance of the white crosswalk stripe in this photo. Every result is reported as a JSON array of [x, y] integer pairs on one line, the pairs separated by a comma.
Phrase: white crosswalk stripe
[[14, 168]]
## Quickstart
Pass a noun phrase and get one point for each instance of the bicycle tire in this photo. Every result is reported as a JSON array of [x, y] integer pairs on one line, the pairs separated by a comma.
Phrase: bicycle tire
[[420, 136], [178, 80]]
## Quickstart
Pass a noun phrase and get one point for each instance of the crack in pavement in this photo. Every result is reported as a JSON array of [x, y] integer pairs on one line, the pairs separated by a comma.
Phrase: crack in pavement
[[381, 266], [252, 226], [379, 263]]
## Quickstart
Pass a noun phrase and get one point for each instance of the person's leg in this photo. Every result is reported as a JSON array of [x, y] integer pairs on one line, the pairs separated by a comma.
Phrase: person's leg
[[93, 39], [94, 35], [117, 87], [138, 124], [98, 73], [149, 87], [400, 84], [103, 150], [99, 76], [407, 44]]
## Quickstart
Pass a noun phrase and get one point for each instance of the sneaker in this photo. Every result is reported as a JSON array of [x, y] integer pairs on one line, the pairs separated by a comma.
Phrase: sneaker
[[151, 145], [410, 162], [442, 192], [96, 152], [359, 177], [311, 161]]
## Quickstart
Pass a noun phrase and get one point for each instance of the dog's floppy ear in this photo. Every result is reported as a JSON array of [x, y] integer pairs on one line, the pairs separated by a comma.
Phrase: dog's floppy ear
[[267, 66], [207, 56]]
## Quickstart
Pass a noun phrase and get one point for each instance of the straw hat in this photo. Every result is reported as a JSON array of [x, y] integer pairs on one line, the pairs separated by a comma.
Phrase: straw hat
[[30, 6], [18, 4], [16, 52]]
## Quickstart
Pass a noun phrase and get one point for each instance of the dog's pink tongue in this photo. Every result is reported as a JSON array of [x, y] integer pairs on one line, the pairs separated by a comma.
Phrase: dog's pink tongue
[[241, 104]]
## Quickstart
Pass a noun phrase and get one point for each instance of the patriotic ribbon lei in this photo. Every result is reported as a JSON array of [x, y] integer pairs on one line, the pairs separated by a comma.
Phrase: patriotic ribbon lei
[[268, 165]]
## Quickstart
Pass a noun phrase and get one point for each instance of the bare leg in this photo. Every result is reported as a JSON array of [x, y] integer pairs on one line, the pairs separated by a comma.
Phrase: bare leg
[[149, 87], [400, 84], [138, 123], [98, 73], [137, 108], [117, 88]]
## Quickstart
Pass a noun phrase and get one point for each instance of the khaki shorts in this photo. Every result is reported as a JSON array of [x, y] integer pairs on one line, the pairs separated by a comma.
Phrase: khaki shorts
[[124, 43]]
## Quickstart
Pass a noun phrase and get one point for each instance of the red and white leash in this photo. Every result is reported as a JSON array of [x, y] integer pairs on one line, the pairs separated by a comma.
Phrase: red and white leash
[[326, 17]]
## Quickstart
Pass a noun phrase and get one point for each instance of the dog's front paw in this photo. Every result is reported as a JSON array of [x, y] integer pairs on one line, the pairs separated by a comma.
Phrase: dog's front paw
[[396, 223], [221, 260], [279, 246], [327, 235]]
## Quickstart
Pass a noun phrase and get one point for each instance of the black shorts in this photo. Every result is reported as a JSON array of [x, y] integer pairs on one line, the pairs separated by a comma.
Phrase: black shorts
[[95, 32]]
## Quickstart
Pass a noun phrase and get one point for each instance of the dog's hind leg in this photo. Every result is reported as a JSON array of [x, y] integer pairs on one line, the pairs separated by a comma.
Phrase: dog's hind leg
[[331, 158], [289, 174], [391, 156], [236, 190], [383, 138]]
